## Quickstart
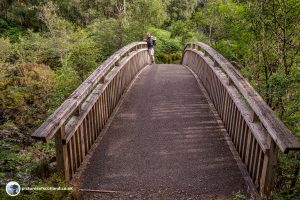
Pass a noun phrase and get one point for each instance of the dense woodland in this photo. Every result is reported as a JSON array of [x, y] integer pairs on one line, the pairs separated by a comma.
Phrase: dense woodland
[[47, 48]]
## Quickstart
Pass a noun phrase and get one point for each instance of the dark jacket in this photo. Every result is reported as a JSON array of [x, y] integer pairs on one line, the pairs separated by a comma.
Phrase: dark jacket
[[150, 42]]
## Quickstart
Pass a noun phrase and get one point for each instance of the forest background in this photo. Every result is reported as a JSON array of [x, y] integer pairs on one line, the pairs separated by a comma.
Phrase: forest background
[[48, 47]]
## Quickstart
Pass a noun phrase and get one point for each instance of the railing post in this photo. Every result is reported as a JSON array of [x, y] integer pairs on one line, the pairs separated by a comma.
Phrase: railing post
[[62, 153], [269, 169]]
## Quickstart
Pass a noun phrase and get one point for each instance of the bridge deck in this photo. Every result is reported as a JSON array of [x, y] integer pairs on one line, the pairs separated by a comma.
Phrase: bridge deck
[[164, 141]]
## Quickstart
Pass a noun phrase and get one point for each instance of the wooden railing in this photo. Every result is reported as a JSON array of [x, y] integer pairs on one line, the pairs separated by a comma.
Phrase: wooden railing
[[254, 129], [79, 120]]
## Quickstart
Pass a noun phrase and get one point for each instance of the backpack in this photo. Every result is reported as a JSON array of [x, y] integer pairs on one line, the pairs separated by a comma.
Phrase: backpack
[[154, 40]]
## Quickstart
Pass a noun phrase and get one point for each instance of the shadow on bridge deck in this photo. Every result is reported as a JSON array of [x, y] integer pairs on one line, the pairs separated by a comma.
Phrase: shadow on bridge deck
[[163, 142]]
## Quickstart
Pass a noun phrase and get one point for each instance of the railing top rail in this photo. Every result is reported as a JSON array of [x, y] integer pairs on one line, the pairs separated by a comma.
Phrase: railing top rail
[[47, 130], [281, 135]]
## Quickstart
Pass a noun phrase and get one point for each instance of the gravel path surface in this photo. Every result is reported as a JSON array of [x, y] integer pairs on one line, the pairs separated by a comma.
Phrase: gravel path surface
[[163, 143]]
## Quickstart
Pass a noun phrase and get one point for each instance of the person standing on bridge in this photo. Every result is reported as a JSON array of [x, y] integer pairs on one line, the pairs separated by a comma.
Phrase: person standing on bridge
[[151, 42]]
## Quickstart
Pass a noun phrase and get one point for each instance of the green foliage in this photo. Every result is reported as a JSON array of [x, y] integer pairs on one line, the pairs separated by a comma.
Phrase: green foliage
[[147, 13], [183, 29], [24, 89], [20, 163], [82, 54], [49, 47], [260, 38], [54, 181], [181, 9], [288, 180], [105, 34], [33, 47], [168, 50], [5, 50], [239, 196], [11, 30], [67, 80], [23, 13]]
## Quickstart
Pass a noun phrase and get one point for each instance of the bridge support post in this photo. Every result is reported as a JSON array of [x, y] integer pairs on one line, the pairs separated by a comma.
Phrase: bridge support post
[[61, 153], [269, 169]]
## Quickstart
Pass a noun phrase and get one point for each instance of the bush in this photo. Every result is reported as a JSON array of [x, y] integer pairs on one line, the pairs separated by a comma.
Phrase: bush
[[23, 93], [6, 49], [82, 54], [168, 49]]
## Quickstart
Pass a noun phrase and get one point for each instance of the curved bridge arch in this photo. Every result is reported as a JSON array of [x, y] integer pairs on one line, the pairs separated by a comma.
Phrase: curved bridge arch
[[255, 130], [78, 121], [252, 126]]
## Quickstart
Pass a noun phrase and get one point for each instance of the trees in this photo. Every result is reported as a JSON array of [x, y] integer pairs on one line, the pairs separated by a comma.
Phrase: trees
[[82, 54], [59, 42], [181, 9], [261, 39]]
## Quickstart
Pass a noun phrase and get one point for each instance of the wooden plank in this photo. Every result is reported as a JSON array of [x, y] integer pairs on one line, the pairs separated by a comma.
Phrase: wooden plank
[[47, 130], [220, 96], [252, 158], [77, 147], [217, 93], [225, 110], [97, 106], [269, 169], [280, 133], [233, 111], [105, 106], [242, 136], [85, 137], [257, 129], [248, 149], [82, 129], [58, 149], [87, 106], [94, 123], [239, 128], [260, 166], [82, 142], [245, 142], [88, 131], [62, 158], [224, 95], [70, 155], [74, 152], [256, 163], [102, 111], [234, 132]]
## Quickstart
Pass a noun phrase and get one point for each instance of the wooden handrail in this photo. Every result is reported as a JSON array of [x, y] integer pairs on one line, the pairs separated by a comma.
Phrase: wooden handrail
[[48, 129], [254, 129], [281, 135], [78, 122], [72, 127]]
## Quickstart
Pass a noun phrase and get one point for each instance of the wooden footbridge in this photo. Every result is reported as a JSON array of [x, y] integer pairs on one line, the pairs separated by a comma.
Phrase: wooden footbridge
[[192, 131]]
